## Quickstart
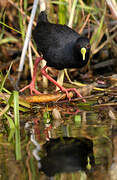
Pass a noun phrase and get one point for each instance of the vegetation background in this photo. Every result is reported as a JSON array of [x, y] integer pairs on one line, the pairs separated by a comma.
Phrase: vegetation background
[[95, 19], [98, 21]]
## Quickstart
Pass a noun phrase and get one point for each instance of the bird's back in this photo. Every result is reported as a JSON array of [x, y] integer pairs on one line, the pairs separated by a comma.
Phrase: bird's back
[[55, 42]]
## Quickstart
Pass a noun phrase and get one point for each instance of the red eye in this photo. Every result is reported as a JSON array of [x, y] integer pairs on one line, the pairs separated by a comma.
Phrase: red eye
[[88, 46]]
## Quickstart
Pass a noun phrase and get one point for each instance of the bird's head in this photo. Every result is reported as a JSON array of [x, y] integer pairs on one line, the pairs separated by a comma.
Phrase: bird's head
[[82, 48]]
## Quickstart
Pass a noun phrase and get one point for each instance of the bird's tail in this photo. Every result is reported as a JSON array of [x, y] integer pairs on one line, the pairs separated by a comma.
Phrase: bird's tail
[[42, 17]]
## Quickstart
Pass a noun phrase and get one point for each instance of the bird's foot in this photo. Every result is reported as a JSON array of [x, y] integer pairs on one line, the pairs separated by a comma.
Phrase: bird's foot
[[31, 86], [72, 89], [76, 91]]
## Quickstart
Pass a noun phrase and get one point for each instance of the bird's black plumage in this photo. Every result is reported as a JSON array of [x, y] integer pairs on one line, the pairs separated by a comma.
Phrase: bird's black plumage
[[60, 45]]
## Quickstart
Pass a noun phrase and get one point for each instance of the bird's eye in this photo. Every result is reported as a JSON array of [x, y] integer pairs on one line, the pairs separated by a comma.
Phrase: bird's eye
[[88, 46]]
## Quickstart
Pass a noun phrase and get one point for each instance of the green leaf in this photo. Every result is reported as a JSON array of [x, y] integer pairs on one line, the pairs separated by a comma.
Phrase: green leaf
[[10, 27], [11, 123], [62, 13], [95, 37], [7, 40], [17, 144], [3, 82], [16, 108]]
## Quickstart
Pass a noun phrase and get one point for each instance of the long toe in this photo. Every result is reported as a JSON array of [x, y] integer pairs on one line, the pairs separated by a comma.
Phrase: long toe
[[34, 90], [67, 94], [23, 89], [66, 91], [76, 91]]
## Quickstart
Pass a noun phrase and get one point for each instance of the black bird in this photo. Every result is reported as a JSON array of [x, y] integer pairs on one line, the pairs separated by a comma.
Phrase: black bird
[[61, 47]]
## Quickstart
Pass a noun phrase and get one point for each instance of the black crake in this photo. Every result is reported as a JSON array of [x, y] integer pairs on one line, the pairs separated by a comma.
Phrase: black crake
[[59, 44], [61, 47]]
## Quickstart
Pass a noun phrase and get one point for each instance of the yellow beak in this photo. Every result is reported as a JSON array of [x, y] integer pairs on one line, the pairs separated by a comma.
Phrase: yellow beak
[[83, 52]]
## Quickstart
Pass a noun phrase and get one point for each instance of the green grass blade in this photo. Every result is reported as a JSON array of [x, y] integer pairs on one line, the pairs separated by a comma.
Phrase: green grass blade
[[59, 2], [95, 37], [10, 27], [22, 28], [7, 91], [72, 13], [3, 82], [17, 144], [7, 40], [25, 5], [16, 108], [2, 29], [89, 9], [17, 125], [11, 135], [11, 123], [8, 104], [62, 13]]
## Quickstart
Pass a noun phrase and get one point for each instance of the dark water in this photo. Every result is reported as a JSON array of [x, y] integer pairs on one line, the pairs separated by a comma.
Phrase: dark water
[[68, 153]]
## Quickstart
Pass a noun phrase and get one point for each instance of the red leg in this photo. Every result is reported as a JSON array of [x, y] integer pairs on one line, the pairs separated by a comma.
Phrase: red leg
[[31, 86], [61, 87]]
